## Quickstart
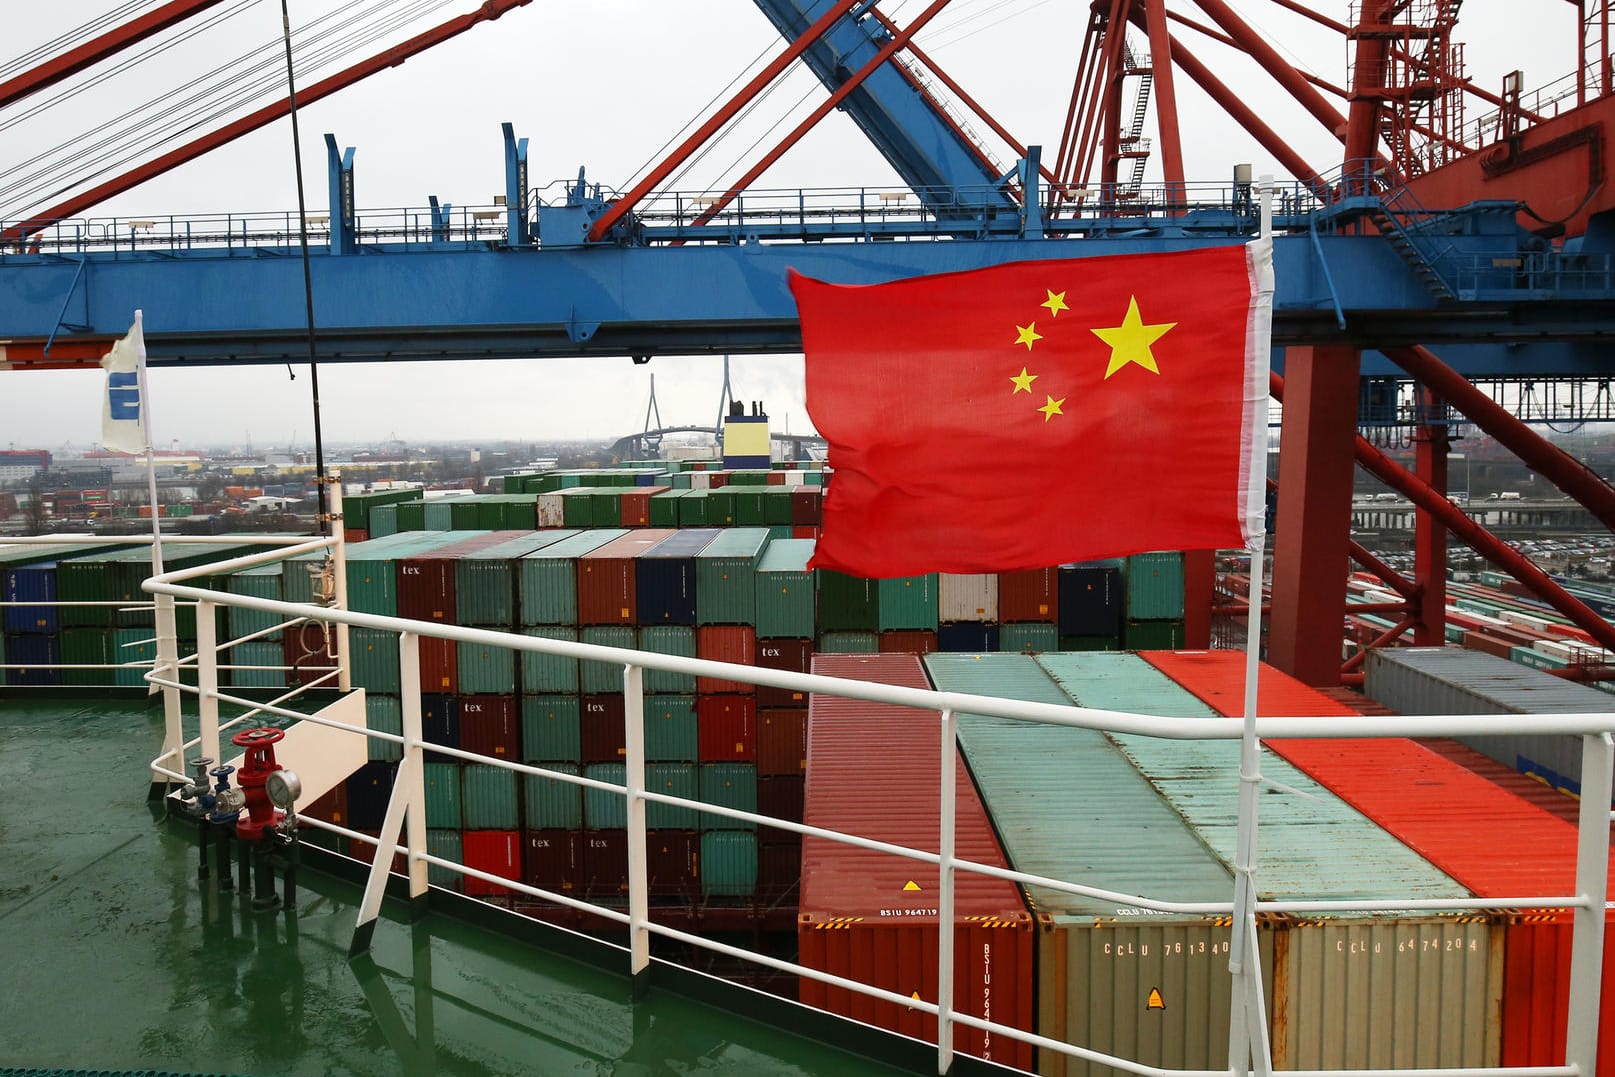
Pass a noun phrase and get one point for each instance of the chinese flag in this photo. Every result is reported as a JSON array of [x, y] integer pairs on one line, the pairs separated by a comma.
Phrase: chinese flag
[[1037, 413]]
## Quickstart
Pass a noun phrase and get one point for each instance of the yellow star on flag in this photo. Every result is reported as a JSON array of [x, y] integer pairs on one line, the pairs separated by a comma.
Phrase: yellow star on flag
[[1055, 303], [1052, 408], [1023, 382], [1130, 341], [1028, 333]]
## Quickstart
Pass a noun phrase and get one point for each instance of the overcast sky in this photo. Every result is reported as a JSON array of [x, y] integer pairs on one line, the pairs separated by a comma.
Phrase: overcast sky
[[603, 85]]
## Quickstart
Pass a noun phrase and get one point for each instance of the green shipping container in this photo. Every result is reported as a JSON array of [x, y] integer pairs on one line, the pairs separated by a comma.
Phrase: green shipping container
[[664, 508], [668, 639], [604, 676], [255, 653], [552, 804], [383, 521], [693, 508], [849, 643], [721, 507], [907, 602], [489, 796], [1030, 638], [443, 844], [140, 645], [486, 670], [1152, 635], [373, 658], [443, 795], [465, 513], [261, 582], [726, 577], [777, 506], [603, 810], [673, 780], [439, 514], [551, 728], [577, 507], [485, 579], [750, 506], [785, 590], [1155, 586], [605, 508], [670, 728], [86, 647], [548, 578], [728, 863], [384, 714], [847, 603], [550, 674], [728, 785]]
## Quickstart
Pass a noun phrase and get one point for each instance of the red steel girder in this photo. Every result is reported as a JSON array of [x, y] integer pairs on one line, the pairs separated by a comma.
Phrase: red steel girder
[[490, 10], [79, 353], [853, 82], [1387, 575], [93, 52], [1577, 480], [740, 100], [1166, 101], [1362, 123], [1275, 65], [1429, 537], [1474, 535]]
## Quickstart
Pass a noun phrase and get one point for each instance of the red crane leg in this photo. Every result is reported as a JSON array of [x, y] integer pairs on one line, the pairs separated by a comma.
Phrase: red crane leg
[[1313, 525], [740, 100], [488, 11], [1166, 103], [1199, 590], [1429, 536], [93, 52], [1474, 535], [1537, 453], [1362, 121]]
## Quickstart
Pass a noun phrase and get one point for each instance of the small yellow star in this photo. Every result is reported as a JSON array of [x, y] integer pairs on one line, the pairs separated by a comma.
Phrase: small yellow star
[[1055, 303], [1027, 334], [1023, 382], [1052, 408], [1130, 341]]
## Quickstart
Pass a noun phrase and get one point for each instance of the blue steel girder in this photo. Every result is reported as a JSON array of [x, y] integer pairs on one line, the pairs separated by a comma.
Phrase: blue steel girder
[[431, 301], [901, 122]]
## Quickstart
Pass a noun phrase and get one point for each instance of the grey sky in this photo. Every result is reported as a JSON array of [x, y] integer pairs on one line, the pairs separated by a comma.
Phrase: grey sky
[[605, 85]]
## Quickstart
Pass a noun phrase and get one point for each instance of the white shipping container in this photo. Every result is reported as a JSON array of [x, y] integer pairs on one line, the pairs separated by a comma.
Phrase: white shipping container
[[795, 478], [700, 480], [551, 511], [967, 598]]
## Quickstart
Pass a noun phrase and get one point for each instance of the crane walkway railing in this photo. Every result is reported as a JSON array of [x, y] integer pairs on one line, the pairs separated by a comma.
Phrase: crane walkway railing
[[404, 828]]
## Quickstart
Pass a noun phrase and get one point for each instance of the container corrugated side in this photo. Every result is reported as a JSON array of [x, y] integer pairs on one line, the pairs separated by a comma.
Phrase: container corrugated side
[[550, 803], [967, 598], [1467, 825], [907, 603], [549, 674], [874, 770], [785, 590], [726, 577], [489, 797], [847, 603], [1445, 969], [485, 580], [547, 578], [606, 578], [1455, 680], [1155, 586], [665, 584], [1070, 806], [671, 640], [263, 581]]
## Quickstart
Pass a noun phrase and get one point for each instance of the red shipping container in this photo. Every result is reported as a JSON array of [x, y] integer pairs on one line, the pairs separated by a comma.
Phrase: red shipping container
[[604, 740], [907, 641], [726, 643], [606, 578], [440, 666], [497, 852], [672, 859], [553, 859], [793, 655], [872, 917], [807, 531], [780, 797], [489, 725], [726, 729], [807, 506], [1485, 643], [365, 852], [779, 870], [1461, 822], [717, 479], [781, 741], [605, 864], [308, 651], [636, 505], [1032, 595], [355, 534], [332, 807], [775, 478]]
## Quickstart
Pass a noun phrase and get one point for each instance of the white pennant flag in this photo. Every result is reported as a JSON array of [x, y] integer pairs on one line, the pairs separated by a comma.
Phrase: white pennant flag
[[123, 404]]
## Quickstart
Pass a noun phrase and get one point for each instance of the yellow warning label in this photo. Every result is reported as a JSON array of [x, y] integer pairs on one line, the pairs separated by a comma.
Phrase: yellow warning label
[[1155, 1001], [915, 996], [911, 885]]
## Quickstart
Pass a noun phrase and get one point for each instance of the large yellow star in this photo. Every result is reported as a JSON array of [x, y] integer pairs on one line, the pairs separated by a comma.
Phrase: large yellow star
[[1023, 382], [1027, 334], [1052, 408], [1055, 303], [1130, 341]]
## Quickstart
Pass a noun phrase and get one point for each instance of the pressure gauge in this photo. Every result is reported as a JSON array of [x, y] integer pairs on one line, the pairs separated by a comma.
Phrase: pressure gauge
[[283, 787]]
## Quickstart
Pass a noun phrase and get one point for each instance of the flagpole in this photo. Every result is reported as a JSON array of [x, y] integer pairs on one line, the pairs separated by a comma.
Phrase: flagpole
[[1248, 1046]]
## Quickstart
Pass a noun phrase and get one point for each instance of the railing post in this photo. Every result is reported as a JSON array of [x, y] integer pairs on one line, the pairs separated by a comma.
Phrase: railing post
[[633, 680], [167, 667], [1592, 866], [944, 906], [409, 682], [207, 681]]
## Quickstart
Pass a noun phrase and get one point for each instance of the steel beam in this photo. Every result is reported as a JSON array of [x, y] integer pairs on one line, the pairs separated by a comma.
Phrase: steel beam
[[1367, 97], [1313, 525], [1429, 536]]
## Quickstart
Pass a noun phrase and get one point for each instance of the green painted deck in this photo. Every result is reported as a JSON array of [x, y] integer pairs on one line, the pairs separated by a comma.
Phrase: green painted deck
[[116, 958]]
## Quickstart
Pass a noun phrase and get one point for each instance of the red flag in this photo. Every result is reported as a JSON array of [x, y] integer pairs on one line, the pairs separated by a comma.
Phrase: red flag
[[1037, 413]]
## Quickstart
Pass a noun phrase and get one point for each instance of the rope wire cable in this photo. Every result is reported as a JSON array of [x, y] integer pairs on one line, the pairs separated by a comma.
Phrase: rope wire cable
[[746, 153], [138, 127], [63, 42], [138, 139], [730, 128]]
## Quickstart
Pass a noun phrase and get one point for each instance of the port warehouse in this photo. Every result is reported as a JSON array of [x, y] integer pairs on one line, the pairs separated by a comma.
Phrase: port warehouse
[[715, 741]]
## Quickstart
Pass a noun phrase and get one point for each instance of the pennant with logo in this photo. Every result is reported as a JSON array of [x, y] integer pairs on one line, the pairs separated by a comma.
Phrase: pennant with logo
[[123, 403]]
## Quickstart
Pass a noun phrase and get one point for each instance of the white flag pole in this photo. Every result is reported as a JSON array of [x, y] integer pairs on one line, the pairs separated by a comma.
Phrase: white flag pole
[[1248, 1046], [139, 337]]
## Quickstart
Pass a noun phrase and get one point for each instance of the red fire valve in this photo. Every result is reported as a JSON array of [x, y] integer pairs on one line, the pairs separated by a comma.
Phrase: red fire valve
[[256, 766]]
